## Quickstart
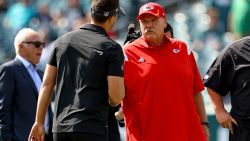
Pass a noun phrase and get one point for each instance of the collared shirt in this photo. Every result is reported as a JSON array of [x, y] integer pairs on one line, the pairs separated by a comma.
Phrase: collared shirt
[[32, 69], [160, 83], [84, 58], [229, 74]]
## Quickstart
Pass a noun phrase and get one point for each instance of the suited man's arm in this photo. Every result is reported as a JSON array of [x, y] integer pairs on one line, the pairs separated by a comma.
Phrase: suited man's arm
[[45, 94], [7, 87]]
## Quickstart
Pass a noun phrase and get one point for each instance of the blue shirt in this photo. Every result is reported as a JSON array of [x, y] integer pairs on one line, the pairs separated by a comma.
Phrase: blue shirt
[[32, 69]]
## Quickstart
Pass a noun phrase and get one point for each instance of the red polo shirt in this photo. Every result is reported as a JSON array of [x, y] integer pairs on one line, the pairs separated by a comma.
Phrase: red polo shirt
[[160, 84]]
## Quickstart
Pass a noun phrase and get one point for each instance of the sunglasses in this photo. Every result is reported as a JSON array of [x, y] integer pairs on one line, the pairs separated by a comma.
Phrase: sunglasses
[[36, 44]]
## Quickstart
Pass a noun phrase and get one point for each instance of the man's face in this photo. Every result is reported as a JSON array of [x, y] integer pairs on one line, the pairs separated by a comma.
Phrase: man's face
[[152, 28], [32, 48]]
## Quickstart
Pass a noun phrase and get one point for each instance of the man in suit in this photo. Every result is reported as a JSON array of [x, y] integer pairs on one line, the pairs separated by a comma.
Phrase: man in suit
[[20, 81]]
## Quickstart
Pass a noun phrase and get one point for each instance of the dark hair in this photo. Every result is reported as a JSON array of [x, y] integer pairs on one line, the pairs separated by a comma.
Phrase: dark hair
[[101, 10], [169, 28]]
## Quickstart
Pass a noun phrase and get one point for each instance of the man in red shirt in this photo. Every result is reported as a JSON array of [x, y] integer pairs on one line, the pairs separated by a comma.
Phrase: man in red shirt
[[163, 85]]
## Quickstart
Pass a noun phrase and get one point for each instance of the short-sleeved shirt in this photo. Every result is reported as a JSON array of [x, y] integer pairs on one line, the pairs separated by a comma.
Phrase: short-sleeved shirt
[[160, 83], [84, 58], [230, 73]]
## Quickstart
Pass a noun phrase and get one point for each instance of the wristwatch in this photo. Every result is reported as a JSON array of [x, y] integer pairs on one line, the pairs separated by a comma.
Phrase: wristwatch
[[206, 123]]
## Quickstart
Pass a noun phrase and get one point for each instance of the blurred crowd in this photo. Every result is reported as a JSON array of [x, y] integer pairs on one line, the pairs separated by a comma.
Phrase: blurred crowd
[[207, 26], [51, 18]]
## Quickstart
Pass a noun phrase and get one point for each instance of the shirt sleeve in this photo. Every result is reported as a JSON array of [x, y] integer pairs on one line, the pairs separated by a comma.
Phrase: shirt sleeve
[[198, 84], [221, 73], [52, 59], [115, 59]]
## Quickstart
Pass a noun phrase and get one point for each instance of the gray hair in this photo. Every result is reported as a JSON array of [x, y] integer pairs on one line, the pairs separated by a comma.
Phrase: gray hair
[[21, 36]]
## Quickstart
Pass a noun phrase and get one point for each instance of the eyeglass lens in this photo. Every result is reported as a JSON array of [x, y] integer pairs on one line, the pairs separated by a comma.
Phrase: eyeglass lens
[[36, 44]]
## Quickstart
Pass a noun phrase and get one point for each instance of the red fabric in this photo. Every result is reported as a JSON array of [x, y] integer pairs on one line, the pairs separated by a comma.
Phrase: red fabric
[[160, 83], [153, 9]]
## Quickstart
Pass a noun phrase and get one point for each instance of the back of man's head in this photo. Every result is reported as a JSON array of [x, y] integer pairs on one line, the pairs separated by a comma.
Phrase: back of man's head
[[101, 10]]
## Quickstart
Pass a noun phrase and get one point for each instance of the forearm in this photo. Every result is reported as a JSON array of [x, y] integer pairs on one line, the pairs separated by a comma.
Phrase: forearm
[[217, 100], [200, 106], [43, 103], [45, 93], [116, 90]]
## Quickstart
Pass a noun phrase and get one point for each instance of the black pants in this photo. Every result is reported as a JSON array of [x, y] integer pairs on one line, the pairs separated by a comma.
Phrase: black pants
[[78, 137], [240, 134], [48, 137]]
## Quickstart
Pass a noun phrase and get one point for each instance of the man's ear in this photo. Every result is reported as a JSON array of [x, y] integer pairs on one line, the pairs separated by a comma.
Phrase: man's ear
[[112, 18]]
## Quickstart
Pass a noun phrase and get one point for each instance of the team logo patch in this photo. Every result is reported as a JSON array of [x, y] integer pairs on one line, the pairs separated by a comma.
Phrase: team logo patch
[[141, 60], [176, 51], [99, 52], [206, 77], [148, 7]]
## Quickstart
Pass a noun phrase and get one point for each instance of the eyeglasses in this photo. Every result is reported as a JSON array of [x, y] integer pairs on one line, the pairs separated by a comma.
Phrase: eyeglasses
[[36, 44]]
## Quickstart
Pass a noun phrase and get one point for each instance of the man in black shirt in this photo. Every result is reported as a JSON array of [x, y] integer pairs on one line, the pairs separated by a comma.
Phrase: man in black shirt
[[87, 68], [230, 74]]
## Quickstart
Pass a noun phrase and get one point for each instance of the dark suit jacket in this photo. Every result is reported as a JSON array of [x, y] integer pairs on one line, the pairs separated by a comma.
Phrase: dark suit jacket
[[18, 101]]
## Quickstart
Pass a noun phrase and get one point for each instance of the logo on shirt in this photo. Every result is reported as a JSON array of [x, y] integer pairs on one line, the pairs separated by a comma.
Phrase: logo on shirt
[[206, 77], [176, 51], [141, 60], [99, 52]]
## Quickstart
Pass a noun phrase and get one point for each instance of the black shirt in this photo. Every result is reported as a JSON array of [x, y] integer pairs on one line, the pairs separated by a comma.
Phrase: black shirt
[[84, 58], [230, 73]]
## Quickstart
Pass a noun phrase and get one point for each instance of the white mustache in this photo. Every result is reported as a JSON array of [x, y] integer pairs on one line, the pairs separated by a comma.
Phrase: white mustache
[[149, 30]]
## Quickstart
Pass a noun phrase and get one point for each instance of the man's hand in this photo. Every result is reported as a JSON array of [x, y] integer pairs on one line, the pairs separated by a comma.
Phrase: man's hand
[[119, 115], [37, 132], [225, 120], [206, 132]]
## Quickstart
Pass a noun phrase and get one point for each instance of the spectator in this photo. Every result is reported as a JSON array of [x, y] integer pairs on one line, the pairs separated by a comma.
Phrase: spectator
[[20, 81]]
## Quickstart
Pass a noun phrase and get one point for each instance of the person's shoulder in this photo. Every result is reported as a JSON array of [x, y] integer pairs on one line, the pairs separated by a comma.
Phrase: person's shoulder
[[181, 45], [237, 45], [245, 41], [69, 35], [177, 41], [111, 41], [133, 44], [9, 64]]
